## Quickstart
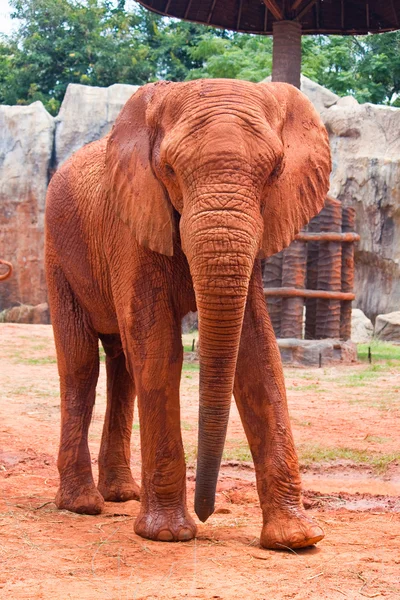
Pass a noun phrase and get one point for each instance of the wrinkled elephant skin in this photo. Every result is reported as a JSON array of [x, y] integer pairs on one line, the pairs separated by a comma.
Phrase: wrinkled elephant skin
[[168, 214]]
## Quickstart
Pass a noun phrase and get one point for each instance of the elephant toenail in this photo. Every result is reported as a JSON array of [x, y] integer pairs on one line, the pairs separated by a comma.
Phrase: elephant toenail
[[165, 536], [185, 535]]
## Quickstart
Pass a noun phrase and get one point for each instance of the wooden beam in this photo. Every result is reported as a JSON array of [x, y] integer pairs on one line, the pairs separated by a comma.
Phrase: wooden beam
[[275, 9], [211, 11], [326, 236], [395, 14], [239, 15], [305, 10], [285, 292], [189, 6], [296, 4]]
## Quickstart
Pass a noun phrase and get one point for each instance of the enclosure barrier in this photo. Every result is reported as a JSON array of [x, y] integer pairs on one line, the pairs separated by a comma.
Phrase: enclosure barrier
[[315, 276]]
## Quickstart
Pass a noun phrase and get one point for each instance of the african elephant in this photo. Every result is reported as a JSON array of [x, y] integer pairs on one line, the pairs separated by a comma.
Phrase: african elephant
[[8, 273], [170, 213]]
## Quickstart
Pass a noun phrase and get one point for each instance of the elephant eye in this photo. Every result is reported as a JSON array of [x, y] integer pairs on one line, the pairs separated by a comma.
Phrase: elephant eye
[[277, 171], [169, 170]]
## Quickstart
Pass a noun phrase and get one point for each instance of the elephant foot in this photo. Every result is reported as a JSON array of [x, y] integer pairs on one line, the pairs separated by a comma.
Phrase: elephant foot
[[118, 486], [290, 529], [85, 500], [166, 526]]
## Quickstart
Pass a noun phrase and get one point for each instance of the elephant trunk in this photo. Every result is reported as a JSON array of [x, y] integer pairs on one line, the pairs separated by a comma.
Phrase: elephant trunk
[[219, 330], [221, 250]]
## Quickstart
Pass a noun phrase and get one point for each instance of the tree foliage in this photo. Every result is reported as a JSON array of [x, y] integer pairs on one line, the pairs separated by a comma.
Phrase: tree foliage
[[101, 42], [367, 67]]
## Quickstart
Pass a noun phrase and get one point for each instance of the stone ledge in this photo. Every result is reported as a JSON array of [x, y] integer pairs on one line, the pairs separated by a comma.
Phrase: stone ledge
[[307, 352]]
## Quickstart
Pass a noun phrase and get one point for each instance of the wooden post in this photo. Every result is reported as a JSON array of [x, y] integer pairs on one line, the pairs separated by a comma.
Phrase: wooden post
[[272, 278], [293, 276], [349, 217], [286, 67], [312, 280], [286, 52], [329, 272]]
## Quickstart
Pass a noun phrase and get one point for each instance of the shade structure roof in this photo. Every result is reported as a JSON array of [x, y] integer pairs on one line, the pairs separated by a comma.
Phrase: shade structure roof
[[343, 17]]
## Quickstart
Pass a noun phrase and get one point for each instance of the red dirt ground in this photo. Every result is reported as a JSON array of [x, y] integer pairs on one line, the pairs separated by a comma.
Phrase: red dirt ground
[[352, 412]]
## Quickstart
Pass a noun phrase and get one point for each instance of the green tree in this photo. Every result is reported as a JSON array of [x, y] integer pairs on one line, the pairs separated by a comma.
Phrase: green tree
[[100, 42], [378, 69], [172, 43], [237, 56], [61, 42], [366, 67]]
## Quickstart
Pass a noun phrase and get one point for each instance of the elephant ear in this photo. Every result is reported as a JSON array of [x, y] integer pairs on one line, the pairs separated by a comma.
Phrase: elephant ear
[[297, 193], [138, 197]]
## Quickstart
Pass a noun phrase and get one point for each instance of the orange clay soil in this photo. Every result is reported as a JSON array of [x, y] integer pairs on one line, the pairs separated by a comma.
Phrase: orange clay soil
[[349, 412]]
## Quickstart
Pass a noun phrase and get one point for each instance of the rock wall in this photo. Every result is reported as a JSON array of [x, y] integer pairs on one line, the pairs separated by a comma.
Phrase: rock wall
[[365, 142], [365, 145], [26, 148], [32, 145], [86, 114]]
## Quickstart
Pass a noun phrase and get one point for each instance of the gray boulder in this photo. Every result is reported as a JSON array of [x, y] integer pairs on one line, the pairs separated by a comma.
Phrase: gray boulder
[[32, 145], [362, 330], [321, 97], [387, 327], [86, 114], [26, 147], [34, 315], [312, 353], [365, 143]]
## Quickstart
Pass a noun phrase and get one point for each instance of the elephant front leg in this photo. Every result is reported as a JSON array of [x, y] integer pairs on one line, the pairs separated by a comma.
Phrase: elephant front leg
[[163, 514], [261, 399], [152, 343]]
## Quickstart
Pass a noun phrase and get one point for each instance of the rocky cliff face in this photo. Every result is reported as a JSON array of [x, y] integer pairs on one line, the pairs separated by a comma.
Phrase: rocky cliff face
[[365, 145], [26, 147], [365, 142], [32, 145], [86, 114]]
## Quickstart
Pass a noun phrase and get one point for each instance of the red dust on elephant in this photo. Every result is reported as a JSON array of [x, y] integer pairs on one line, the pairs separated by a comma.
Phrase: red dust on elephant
[[168, 214]]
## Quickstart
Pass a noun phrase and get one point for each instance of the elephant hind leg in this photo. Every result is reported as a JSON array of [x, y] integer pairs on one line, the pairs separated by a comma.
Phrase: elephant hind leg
[[78, 366], [116, 483]]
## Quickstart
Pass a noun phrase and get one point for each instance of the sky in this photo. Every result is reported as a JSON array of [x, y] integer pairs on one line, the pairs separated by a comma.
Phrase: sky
[[6, 23]]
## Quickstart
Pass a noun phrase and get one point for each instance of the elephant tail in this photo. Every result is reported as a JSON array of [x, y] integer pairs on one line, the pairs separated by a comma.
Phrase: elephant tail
[[8, 273]]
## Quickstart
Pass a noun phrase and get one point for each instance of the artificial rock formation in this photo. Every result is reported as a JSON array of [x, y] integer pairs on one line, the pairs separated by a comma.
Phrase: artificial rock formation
[[314, 353], [86, 114], [362, 330], [26, 147], [365, 143], [32, 145], [387, 327], [34, 315]]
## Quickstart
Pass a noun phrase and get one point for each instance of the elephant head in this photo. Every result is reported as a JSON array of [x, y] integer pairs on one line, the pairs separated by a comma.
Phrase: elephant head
[[240, 168], [8, 273]]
